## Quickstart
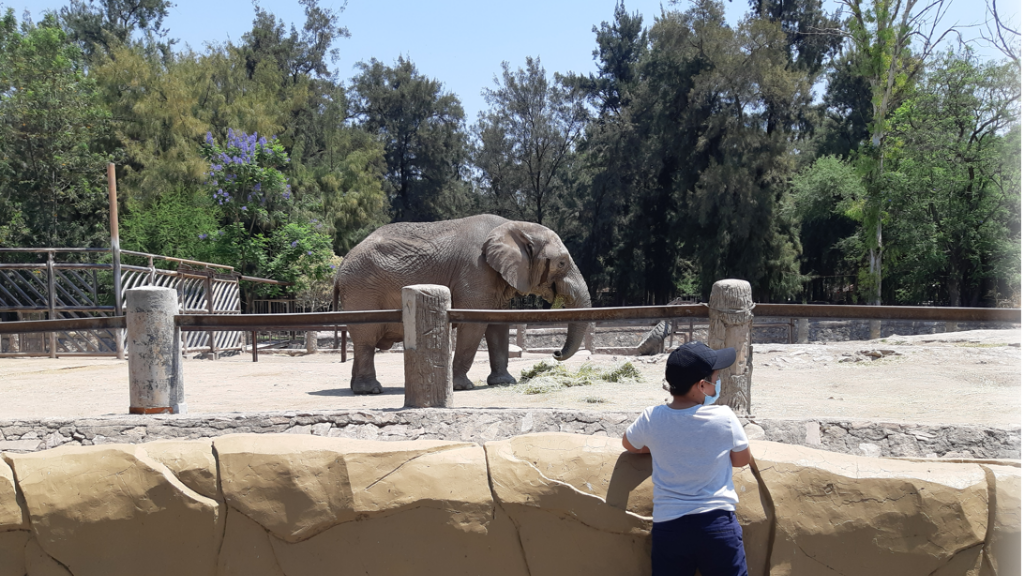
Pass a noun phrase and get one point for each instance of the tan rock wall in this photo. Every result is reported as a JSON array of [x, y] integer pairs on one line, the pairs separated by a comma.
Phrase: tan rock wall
[[275, 505]]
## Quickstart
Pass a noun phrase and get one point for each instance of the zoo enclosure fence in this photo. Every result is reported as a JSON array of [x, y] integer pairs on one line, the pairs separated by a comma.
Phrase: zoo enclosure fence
[[192, 322], [62, 290]]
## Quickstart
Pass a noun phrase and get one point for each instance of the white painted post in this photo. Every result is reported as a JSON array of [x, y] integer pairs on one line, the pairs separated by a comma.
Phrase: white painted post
[[155, 380], [731, 320], [428, 346]]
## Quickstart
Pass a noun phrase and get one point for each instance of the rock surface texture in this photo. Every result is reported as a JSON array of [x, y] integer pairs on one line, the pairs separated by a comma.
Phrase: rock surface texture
[[538, 504]]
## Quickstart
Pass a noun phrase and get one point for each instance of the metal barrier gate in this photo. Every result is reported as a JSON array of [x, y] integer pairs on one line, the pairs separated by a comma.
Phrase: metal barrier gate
[[66, 290]]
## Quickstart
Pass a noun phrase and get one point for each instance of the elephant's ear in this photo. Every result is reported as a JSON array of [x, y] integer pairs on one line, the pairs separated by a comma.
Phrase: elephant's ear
[[508, 249]]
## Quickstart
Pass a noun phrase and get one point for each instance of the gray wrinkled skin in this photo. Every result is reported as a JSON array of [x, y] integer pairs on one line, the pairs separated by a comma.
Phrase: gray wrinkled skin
[[484, 260]]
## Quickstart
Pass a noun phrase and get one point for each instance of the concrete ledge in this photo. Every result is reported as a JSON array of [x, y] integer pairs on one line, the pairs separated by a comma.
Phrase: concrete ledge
[[858, 437], [275, 504]]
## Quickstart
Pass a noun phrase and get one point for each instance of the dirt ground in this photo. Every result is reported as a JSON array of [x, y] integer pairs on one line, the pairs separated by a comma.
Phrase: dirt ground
[[956, 378]]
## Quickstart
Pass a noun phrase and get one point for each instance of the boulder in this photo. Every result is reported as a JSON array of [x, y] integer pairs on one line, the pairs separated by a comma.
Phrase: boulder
[[1002, 548], [12, 552], [246, 550], [581, 504], [13, 515], [83, 500], [191, 461], [299, 486], [329, 502], [868, 516], [39, 563]]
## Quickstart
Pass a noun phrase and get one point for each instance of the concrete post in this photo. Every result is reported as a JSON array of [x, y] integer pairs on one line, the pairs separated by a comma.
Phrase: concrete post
[[875, 329], [803, 330], [428, 346], [155, 380], [731, 319], [311, 343]]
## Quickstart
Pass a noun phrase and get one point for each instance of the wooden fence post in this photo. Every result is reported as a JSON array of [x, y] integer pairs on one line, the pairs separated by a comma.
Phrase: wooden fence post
[[428, 346], [155, 382], [731, 319]]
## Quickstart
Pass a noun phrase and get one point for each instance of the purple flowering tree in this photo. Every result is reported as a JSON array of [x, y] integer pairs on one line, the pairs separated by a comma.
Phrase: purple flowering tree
[[261, 230], [246, 181]]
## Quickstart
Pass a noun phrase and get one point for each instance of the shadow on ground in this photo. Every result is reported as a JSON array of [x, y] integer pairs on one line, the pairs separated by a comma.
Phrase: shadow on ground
[[347, 392]]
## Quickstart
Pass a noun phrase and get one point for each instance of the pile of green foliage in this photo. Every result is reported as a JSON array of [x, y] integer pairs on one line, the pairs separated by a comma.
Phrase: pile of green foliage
[[545, 377]]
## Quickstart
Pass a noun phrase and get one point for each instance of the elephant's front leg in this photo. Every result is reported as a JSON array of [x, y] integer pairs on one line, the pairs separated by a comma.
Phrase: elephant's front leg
[[497, 351], [364, 375], [467, 340]]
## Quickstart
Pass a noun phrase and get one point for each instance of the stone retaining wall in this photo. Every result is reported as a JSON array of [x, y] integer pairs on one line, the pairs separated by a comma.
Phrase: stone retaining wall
[[533, 505], [858, 437]]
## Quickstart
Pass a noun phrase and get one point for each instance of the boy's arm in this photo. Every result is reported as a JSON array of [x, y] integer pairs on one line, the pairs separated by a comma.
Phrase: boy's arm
[[740, 458], [630, 448]]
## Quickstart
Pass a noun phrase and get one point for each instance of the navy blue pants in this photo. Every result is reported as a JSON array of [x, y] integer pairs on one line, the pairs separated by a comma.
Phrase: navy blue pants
[[712, 542]]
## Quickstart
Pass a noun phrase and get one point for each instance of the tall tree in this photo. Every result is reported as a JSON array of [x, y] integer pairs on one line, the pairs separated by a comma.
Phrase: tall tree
[[609, 172], [100, 25], [422, 129], [54, 140], [701, 191], [951, 144], [882, 33], [528, 139]]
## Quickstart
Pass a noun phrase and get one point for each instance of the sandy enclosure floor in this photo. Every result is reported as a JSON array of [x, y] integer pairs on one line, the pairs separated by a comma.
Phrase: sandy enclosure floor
[[957, 378]]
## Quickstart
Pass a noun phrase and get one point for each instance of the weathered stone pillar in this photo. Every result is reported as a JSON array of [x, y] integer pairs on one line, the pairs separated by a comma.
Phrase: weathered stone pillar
[[155, 380], [803, 330], [731, 318], [311, 341], [428, 346]]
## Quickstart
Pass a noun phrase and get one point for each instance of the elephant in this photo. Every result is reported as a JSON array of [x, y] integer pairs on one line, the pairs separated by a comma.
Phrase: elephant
[[484, 261]]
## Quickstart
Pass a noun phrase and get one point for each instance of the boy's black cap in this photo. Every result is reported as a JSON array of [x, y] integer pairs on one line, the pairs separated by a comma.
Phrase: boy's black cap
[[694, 361]]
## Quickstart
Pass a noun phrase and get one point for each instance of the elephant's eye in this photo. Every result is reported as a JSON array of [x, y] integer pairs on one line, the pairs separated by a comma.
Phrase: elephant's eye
[[561, 264]]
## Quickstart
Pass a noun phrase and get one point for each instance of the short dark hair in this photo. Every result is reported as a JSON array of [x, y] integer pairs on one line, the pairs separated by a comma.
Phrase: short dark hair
[[681, 390]]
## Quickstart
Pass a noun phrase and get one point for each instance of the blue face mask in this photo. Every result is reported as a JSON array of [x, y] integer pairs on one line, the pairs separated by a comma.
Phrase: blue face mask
[[709, 400]]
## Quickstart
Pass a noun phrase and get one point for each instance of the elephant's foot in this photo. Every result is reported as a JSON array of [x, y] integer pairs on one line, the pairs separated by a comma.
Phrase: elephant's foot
[[462, 382], [366, 386], [498, 378]]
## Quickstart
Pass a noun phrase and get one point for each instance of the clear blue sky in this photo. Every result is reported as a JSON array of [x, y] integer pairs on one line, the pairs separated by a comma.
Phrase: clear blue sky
[[462, 43]]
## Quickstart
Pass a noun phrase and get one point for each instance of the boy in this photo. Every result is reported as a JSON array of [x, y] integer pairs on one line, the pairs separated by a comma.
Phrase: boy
[[694, 446]]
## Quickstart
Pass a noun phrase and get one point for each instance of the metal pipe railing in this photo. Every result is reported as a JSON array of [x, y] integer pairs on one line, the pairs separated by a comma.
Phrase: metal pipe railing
[[314, 320]]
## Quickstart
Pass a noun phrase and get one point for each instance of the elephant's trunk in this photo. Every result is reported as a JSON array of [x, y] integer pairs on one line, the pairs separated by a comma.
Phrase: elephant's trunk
[[574, 290]]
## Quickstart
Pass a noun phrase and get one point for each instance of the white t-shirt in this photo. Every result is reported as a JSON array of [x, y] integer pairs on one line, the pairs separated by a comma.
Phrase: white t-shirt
[[690, 452]]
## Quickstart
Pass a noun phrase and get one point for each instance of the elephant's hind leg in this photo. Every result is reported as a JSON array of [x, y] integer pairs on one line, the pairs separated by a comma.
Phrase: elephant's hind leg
[[497, 352], [364, 375]]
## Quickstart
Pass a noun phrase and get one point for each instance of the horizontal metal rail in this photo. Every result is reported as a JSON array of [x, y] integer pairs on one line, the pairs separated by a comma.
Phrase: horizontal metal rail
[[576, 314], [54, 250], [251, 322], [315, 320], [932, 313], [63, 325], [173, 259]]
